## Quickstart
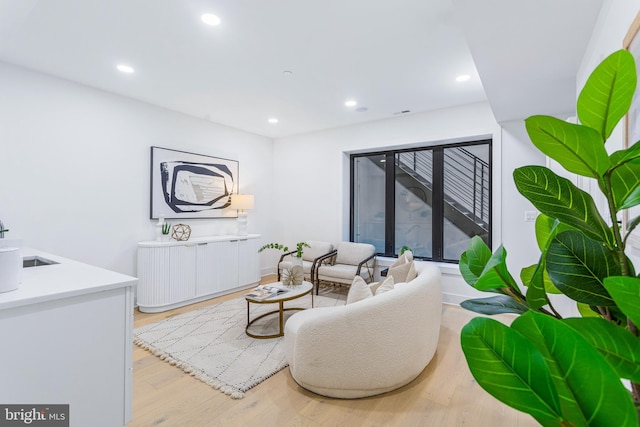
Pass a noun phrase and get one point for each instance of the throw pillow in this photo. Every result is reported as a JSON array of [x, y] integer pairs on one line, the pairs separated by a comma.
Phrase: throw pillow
[[374, 286], [402, 259], [358, 291], [385, 286], [412, 274], [400, 272]]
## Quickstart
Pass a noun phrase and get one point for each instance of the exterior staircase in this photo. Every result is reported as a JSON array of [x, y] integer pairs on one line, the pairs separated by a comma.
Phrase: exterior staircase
[[466, 186]]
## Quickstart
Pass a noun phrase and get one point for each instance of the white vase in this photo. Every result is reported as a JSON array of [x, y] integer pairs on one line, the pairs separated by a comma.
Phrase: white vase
[[296, 263], [296, 260]]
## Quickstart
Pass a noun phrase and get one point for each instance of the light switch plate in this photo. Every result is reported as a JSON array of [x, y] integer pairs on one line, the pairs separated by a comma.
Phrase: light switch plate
[[530, 216]]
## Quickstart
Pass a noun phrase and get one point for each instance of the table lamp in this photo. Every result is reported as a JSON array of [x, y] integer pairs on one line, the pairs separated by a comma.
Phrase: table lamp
[[242, 202]]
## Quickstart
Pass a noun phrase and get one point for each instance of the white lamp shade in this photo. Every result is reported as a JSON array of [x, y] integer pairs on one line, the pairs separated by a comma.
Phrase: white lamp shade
[[242, 201]]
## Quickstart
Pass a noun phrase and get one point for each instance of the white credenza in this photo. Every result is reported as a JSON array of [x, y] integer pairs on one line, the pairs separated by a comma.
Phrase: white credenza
[[173, 274]]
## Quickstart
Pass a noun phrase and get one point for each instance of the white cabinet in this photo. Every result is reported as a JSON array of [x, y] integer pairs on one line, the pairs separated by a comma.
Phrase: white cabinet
[[173, 274], [68, 334]]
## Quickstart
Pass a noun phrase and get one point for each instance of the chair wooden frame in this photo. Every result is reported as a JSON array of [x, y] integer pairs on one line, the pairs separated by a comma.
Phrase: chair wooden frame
[[313, 265], [318, 262]]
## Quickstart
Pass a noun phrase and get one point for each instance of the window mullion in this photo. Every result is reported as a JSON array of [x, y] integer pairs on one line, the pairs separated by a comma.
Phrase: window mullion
[[437, 224], [390, 204]]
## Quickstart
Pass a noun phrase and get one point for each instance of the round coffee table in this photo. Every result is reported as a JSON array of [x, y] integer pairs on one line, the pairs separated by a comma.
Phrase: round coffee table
[[294, 292]]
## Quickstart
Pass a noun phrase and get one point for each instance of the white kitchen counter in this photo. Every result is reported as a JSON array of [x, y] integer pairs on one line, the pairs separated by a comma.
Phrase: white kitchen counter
[[66, 279], [69, 334]]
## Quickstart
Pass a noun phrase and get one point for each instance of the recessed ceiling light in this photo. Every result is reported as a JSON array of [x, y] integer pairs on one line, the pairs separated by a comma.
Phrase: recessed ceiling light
[[463, 78], [125, 68], [210, 19], [351, 103], [273, 120]]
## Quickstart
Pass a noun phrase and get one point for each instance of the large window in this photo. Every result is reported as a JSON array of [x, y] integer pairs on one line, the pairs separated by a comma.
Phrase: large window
[[432, 199]]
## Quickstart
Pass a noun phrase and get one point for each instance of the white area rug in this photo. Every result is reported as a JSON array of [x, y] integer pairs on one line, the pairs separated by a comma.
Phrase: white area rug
[[210, 343]]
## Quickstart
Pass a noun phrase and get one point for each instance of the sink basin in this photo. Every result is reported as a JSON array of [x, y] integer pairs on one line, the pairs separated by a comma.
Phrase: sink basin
[[36, 261]]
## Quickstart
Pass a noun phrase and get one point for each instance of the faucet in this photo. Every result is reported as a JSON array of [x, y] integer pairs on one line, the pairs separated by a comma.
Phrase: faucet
[[1, 230]]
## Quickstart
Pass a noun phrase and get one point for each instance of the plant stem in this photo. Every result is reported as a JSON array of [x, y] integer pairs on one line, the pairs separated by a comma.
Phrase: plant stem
[[622, 258], [605, 312], [555, 313]]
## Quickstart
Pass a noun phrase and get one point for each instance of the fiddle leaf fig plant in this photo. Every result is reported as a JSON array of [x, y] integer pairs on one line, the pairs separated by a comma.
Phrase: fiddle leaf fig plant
[[567, 372]]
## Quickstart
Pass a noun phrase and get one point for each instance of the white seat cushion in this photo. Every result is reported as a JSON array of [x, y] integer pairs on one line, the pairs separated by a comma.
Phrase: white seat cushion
[[316, 250], [354, 253], [340, 271]]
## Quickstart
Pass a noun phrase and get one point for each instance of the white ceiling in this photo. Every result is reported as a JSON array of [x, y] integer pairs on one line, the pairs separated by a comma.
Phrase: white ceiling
[[389, 55]]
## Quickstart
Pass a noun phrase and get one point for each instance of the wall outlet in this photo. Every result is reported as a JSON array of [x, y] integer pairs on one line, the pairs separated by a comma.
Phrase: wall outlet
[[530, 216]]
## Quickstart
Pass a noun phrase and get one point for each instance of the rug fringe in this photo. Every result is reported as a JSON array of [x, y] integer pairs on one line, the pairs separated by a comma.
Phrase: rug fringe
[[199, 375]]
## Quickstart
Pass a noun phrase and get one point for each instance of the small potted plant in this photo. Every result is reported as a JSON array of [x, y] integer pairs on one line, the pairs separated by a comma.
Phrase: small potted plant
[[295, 254], [295, 273], [166, 228]]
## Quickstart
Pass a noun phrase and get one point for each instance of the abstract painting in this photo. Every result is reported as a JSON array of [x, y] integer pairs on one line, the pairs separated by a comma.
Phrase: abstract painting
[[188, 185]]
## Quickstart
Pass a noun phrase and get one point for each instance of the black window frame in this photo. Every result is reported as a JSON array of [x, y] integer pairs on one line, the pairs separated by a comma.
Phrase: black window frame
[[438, 196]]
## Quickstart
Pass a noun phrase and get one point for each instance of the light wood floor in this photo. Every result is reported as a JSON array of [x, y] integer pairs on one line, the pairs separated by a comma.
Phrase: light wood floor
[[445, 394]]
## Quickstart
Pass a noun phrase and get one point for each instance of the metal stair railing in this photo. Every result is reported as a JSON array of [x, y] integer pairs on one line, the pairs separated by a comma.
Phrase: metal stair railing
[[466, 180]]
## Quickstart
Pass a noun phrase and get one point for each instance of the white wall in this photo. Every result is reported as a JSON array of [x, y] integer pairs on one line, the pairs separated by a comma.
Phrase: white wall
[[312, 172], [75, 167]]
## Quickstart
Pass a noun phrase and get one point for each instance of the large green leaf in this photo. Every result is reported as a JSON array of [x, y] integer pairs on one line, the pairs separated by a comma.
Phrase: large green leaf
[[510, 368], [578, 265], [607, 94], [579, 149], [485, 271], [625, 185], [626, 293], [590, 390], [625, 155], [616, 344], [494, 305], [495, 273], [557, 197], [473, 260], [587, 310], [533, 278]]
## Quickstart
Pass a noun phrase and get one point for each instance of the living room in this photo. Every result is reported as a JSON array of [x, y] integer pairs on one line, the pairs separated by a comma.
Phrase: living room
[[76, 171]]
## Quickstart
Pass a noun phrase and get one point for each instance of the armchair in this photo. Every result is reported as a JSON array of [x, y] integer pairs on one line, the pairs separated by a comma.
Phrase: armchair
[[349, 259], [310, 256]]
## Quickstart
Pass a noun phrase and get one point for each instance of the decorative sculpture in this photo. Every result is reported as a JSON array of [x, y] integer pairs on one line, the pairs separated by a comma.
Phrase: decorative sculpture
[[181, 232], [292, 276]]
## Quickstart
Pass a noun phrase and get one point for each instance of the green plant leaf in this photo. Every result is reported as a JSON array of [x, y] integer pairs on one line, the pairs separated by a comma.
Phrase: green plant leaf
[[510, 368], [533, 278], [607, 94], [495, 274], [494, 305], [632, 224], [557, 197], [586, 310], [485, 271], [590, 391], [626, 293], [546, 228], [625, 185], [578, 265], [623, 156], [618, 346], [579, 149], [473, 260]]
